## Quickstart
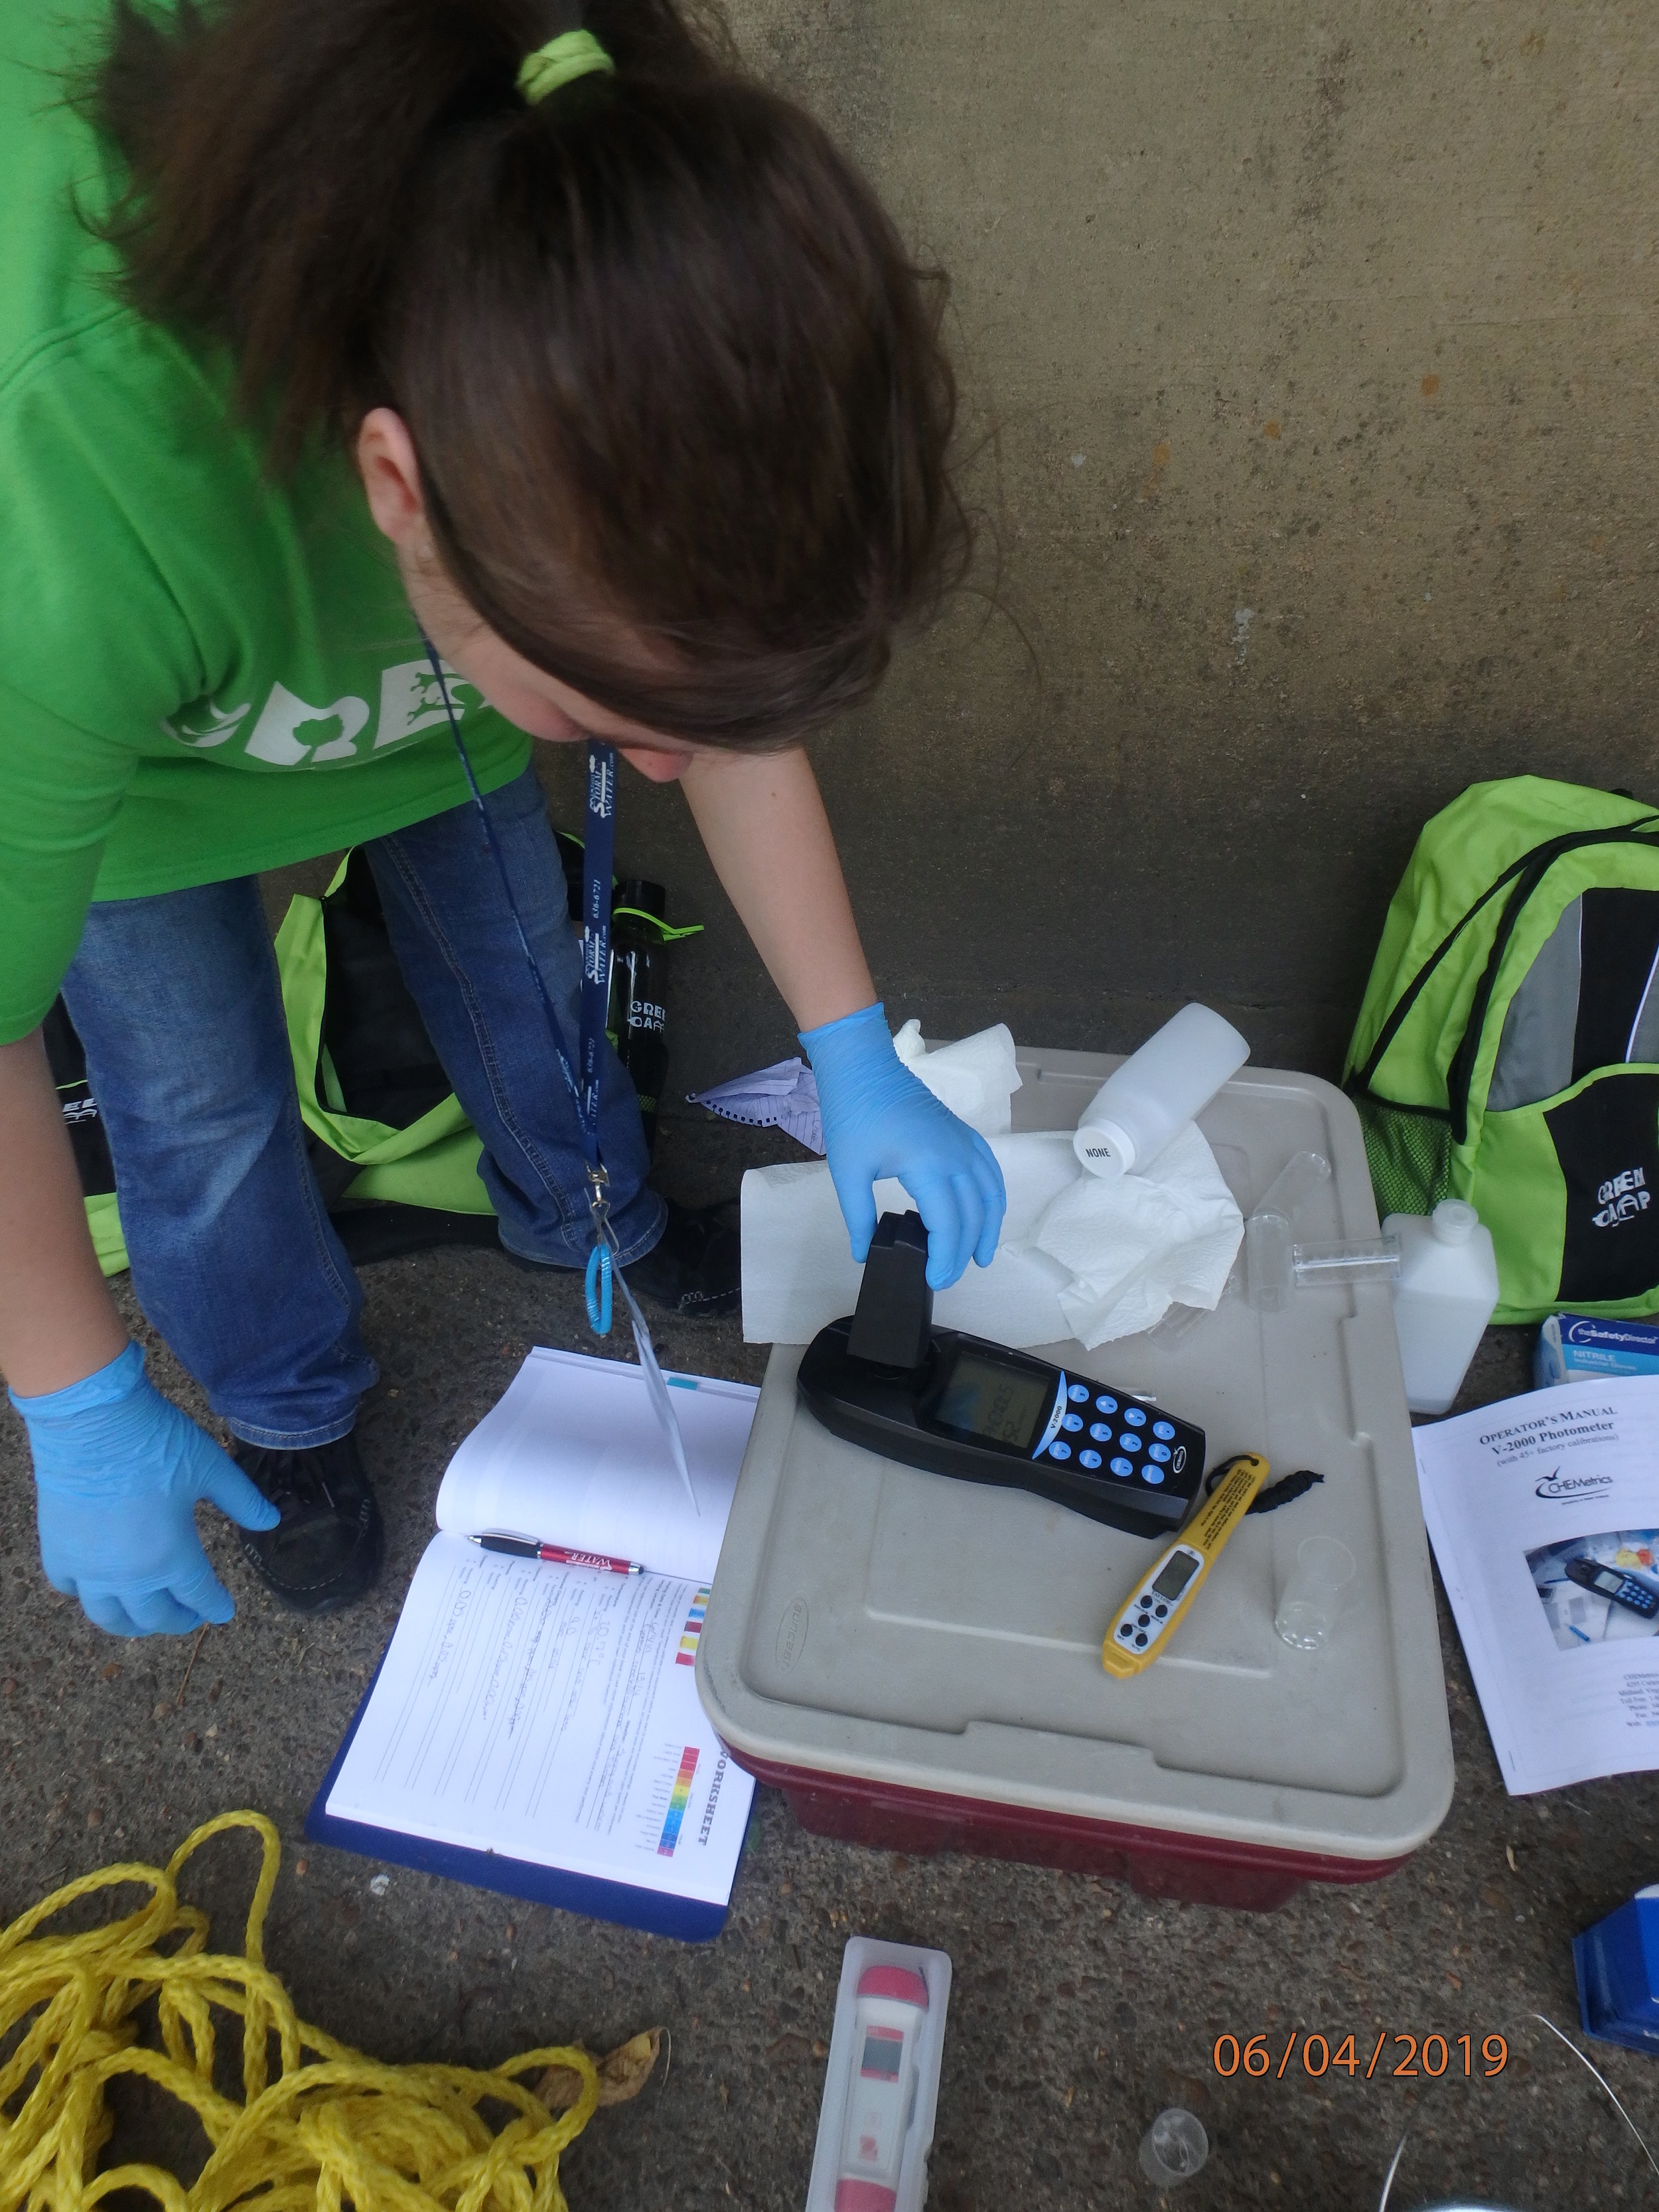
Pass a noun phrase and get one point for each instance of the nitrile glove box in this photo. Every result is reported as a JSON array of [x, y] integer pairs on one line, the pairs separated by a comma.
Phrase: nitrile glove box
[[915, 1662], [1617, 1966], [1576, 1348]]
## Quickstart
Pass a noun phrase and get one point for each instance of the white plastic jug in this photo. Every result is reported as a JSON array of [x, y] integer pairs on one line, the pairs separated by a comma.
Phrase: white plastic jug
[[1443, 1299], [1168, 1082]]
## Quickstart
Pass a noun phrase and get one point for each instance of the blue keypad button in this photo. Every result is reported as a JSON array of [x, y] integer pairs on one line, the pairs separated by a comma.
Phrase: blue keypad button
[[1064, 1451], [1072, 1421], [1166, 1429], [1127, 1628], [1129, 1441], [1162, 1611], [1079, 1393], [1134, 1417], [1140, 1641], [1124, 1467], [1100, 1431], [1151, 1474], [1091, 1459], [1106, 1403], [1159, 1452]]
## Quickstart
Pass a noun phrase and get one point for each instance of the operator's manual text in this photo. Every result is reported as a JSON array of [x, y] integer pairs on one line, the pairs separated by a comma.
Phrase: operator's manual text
[[1544, 1515]]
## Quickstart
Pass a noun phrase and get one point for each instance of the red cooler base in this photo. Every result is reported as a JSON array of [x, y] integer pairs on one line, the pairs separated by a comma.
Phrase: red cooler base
[[1195, 1869]]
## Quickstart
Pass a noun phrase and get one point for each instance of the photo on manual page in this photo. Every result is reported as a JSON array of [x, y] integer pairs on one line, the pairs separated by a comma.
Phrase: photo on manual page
[[1599, 1590]]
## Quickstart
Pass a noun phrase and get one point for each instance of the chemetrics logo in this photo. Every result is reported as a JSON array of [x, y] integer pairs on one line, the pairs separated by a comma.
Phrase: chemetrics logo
[[1621, 1198], [1557, 1485]]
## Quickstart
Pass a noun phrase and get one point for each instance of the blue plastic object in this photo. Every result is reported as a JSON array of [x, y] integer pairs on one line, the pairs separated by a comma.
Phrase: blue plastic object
[[596, 1284], [1617, 1963], [1576, 1348]]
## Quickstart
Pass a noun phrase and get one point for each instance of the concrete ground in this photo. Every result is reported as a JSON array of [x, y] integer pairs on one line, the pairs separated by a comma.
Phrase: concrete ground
[[1306, 359]]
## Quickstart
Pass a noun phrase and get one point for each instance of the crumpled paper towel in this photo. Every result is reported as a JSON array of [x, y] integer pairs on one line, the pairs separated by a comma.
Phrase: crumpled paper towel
[[1137, 1244], [1094, 1264], [976, 1077]]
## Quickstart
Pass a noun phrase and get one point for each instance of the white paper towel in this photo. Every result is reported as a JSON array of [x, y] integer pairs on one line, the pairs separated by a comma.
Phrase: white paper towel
[[976, 1077], [1135, 1246], [1078, 1257], [798, 1271]]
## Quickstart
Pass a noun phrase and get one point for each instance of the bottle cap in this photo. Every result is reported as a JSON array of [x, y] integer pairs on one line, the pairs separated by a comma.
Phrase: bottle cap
[[1105, 1148], [1454, 1221]]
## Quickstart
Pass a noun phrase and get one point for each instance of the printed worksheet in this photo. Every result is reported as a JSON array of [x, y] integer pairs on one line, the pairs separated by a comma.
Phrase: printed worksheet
[[550, 1714], [574, 1455], [1543, 1516]]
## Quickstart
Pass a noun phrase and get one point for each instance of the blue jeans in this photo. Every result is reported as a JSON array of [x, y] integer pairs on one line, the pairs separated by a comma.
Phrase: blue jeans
[[233, 1259]]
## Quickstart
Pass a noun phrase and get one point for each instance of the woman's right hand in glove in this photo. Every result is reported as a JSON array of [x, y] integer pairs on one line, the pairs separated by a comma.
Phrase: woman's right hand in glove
[[117, 1470]]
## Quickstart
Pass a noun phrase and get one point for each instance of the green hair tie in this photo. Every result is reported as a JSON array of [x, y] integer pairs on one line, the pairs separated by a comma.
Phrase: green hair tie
[[571, 54]]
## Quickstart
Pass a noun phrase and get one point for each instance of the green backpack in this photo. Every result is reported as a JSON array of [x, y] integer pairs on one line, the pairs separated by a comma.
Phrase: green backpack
[[1507, 1051]]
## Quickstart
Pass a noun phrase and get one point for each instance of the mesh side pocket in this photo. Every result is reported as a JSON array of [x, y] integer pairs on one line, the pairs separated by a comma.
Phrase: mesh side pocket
[[1408, 1150]]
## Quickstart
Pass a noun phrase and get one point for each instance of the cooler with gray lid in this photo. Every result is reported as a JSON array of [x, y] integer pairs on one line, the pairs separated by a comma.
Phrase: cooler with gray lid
[[915, 1661]]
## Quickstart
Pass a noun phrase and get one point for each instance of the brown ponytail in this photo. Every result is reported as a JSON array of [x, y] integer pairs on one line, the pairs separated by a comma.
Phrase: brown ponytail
[[677, 392]]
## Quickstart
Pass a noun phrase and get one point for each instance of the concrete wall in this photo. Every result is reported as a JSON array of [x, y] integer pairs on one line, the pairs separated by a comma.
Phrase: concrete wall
[[1308, 365]]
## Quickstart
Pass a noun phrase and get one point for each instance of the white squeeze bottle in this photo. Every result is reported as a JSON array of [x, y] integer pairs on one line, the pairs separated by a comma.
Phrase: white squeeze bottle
[[1443, 1299], [1158, 1089]]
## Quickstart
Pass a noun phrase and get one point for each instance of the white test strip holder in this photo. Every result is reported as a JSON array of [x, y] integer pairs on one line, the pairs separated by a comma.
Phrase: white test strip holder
[[862, 1953]]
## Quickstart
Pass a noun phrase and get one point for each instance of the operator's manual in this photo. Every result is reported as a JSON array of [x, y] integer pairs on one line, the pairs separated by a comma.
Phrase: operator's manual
[[1544, 1515], [535, 1726]]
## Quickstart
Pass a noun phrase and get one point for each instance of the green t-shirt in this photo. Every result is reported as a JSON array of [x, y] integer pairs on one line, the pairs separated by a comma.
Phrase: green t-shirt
[[202, 673]]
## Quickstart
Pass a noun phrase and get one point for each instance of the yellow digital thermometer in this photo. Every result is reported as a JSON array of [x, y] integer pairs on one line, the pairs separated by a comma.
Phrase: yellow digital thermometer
[[1162, 1599]]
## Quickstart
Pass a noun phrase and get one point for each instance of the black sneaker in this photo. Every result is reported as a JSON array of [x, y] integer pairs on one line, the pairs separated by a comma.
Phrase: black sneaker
[[326, 1549], [695, 1267]]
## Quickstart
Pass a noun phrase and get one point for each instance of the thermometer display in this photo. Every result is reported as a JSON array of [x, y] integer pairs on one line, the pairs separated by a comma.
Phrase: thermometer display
[[1144, 1627]]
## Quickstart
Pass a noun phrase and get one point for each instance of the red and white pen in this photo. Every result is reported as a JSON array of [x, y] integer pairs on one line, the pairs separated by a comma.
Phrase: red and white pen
[[526, 1547]]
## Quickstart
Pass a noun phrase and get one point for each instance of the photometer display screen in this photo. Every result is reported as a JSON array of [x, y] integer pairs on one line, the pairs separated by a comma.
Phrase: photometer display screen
[[1176, 1577], [1610, 1583], [989, 1400]]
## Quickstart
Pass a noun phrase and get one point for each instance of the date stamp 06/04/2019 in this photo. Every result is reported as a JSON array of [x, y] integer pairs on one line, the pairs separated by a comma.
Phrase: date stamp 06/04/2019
[[1392, 2057]]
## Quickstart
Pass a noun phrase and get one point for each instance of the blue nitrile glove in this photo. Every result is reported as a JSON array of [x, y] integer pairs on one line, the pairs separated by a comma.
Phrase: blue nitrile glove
[[880, 1119], [118, 1467]]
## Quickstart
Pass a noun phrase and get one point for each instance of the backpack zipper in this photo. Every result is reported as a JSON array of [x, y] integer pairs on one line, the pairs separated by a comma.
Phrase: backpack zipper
[[1534, 864]]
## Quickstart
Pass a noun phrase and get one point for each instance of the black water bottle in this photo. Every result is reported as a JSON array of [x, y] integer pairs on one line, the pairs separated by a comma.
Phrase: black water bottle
[[638, 980]]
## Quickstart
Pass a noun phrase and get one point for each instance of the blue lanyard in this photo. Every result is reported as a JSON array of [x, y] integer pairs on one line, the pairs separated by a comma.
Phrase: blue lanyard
[[599, 857], [582, 1076]]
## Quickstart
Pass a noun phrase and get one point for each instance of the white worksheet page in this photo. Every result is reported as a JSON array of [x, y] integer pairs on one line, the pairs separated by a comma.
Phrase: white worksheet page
[[574, 1455], [1543, 1516], [549, 1714]]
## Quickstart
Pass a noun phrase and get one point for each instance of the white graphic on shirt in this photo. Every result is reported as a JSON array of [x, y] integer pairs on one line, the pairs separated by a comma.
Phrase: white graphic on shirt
[[274, 737], [411, 700], [206, 725]]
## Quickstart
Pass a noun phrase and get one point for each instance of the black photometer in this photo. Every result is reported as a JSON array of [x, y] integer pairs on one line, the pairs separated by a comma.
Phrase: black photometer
[[884, 1378]]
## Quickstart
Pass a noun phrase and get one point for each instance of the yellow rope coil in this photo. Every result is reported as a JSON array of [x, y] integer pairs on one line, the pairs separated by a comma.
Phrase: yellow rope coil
[[332, 2127]]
